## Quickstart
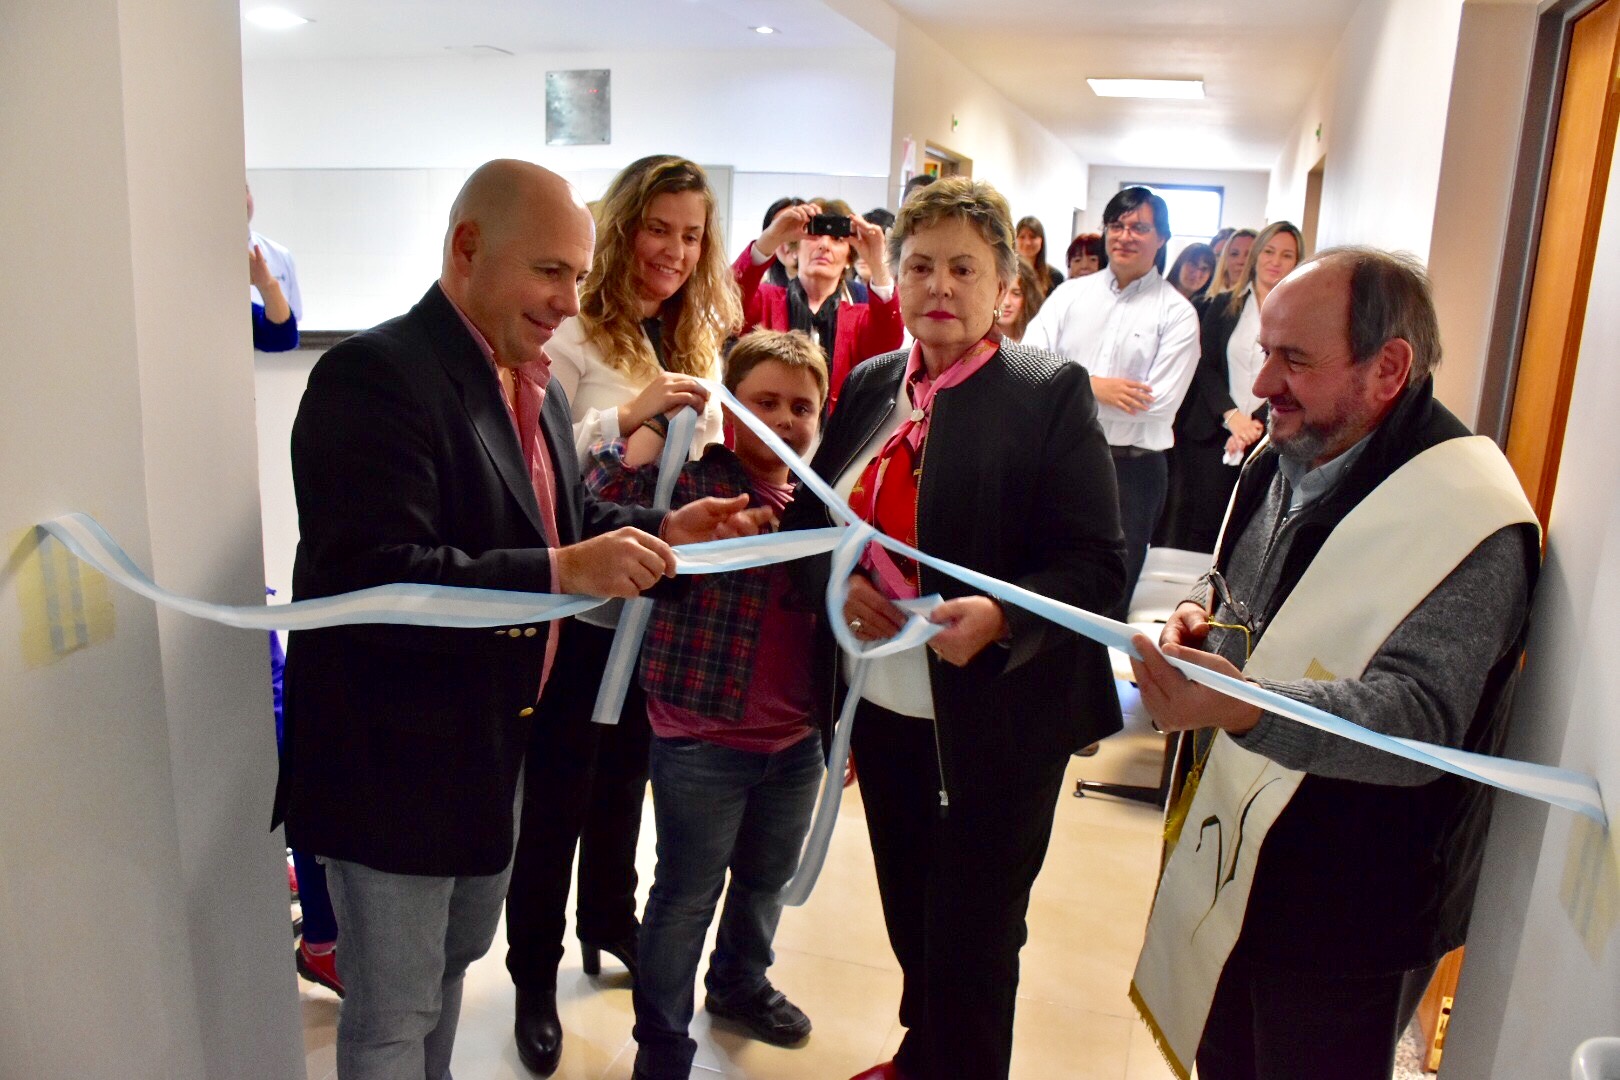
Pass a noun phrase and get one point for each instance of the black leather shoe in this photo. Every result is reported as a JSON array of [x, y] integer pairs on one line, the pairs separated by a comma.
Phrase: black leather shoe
[[623, 949], [538, 1031], [769, 1016]]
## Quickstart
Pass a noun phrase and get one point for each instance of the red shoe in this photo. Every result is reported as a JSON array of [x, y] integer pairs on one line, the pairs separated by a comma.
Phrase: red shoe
[[292, 881], [886, 1071], [318, 968]]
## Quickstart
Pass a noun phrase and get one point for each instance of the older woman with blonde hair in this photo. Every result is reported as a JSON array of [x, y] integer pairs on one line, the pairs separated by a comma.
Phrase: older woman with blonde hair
[[655, 310], [988, 454]]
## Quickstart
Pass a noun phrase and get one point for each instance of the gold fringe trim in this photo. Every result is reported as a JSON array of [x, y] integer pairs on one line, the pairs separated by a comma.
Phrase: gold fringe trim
[[1170, 1059], [1176, 818]]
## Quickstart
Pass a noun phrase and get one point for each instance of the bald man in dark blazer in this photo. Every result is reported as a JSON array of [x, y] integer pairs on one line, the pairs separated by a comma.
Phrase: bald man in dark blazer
[[428, 450]]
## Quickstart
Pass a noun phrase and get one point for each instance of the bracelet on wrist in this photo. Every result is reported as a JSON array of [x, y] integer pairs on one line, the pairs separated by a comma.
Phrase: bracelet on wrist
[[659, 423]]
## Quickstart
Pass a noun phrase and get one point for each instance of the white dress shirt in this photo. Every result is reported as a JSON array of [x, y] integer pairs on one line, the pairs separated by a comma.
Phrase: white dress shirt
[[1146, 331], [282, 268]]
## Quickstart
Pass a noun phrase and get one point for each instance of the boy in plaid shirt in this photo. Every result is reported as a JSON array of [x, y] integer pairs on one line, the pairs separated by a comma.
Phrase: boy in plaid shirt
[[736, 755]]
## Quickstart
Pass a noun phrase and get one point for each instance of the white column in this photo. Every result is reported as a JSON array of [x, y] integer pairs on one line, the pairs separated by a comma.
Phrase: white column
[[143, 917]]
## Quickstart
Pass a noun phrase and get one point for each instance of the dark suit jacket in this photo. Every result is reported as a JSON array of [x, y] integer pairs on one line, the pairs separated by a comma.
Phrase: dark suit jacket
[[403, 744], [1016, 482]]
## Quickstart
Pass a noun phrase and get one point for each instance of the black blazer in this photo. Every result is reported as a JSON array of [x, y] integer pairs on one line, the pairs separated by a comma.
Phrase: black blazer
[[402, 744], [1016, 482], [1202, 416]]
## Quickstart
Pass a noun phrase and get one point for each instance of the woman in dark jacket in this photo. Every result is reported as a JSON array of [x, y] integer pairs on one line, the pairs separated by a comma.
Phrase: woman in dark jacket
[[989, 455], [1221, 420]]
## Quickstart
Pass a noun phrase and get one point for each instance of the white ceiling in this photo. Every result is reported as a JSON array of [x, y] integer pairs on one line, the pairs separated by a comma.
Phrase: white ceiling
[[342, 29], [1259, 59]]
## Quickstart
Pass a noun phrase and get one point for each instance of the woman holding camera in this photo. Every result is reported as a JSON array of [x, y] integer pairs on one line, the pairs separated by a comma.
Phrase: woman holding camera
[[815, 300]]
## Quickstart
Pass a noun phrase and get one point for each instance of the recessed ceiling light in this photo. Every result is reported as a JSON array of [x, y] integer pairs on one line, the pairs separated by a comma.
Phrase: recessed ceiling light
[[763, 29], [1147, 88], [274, 18]]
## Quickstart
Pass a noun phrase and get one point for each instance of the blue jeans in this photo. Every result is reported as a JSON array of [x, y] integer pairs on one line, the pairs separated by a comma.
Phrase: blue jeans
[[407, 942], [716, 809]]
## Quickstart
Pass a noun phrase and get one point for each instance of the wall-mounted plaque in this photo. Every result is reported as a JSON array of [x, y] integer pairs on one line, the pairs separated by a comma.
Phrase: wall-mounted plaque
[[578, 109]]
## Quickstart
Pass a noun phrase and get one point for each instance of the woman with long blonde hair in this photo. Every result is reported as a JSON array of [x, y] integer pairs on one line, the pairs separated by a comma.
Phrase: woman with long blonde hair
[[1221, 419], [1230, 269], [655, 310]]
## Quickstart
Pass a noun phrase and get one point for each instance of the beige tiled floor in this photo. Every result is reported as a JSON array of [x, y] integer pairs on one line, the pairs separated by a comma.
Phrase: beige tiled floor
[[832, 958]]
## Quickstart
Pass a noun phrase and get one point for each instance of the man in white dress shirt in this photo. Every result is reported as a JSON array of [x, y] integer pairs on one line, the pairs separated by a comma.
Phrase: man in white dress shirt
[[280, 261], [1138, 337]]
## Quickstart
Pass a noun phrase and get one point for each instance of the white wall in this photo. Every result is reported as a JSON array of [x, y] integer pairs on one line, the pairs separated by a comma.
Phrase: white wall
[[1244, 205], [355, 163], [279, 381], [752, 193], [1490, 83], [1037, 172], [1543, 969], [143, 917], [1381, 110], [756, 110], [938, 99], [367, 242]]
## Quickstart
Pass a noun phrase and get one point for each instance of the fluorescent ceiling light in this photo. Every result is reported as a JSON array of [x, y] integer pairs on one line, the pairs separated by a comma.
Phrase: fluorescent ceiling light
[[274, 18], [1147, 88], [763, 29]]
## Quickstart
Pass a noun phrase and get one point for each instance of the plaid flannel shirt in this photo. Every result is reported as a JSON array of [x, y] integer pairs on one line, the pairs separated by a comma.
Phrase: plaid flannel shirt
[[698, 654]]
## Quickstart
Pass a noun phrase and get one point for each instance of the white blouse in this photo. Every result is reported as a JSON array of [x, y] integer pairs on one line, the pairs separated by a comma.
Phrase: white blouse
[[900, 682], [596, 389], [1244, 358]]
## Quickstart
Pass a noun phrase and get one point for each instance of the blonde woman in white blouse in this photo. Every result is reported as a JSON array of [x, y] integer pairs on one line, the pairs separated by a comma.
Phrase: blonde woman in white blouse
[[655, 311], [1222, 419]]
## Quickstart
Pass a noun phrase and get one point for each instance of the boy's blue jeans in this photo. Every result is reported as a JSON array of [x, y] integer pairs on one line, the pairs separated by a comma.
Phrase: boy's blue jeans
[[716, 809]]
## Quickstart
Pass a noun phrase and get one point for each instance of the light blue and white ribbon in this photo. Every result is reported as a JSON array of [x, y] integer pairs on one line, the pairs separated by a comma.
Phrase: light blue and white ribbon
[[1559, 787], [633, 618], [410, 604], [438, 605]]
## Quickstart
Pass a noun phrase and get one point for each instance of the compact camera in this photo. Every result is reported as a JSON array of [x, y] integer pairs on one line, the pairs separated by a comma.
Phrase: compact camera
[[830, 225]]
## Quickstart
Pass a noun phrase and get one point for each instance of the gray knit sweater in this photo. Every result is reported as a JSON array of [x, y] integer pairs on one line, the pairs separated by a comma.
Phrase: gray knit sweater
[[1423, 683]]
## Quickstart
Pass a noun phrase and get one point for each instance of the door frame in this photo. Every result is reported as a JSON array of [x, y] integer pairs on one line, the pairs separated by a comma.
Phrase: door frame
[[1522, 237]]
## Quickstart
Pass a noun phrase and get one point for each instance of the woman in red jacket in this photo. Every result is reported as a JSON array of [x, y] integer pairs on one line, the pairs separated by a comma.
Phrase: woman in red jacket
[[816, 300]]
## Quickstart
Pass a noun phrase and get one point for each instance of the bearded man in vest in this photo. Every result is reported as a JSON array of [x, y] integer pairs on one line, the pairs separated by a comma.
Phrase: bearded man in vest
[[1377, 563]]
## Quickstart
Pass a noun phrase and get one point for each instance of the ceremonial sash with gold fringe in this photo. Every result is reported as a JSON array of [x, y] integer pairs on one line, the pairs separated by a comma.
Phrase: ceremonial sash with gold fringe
[[1369, 576]]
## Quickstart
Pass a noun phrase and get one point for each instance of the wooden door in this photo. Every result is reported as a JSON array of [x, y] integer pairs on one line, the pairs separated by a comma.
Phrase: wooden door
[[1583, 147]]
